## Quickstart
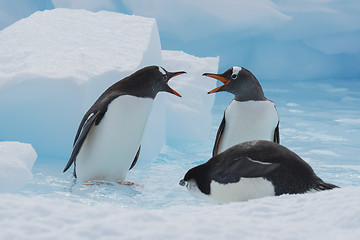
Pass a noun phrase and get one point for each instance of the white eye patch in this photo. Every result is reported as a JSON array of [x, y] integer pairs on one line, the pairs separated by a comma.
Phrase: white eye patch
[[162, 70], [235, 71]]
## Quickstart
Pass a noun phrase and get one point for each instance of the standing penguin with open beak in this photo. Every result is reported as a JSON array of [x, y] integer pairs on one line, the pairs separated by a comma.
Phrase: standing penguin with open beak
[[250, 115], [107, 143]]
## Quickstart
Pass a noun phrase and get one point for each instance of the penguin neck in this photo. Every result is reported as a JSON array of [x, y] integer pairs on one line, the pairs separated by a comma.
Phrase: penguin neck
[[200, 177], [255, 94]]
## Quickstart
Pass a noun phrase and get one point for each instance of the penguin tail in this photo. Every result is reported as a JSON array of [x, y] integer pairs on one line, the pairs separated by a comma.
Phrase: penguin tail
[[321, 186]]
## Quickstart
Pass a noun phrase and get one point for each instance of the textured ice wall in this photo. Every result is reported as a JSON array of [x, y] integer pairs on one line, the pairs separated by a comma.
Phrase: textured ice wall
[[16, 162], [189, 118], [282, 40]]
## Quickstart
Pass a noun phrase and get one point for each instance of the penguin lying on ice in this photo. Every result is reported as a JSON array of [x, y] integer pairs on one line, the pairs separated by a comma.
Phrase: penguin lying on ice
[[252, 170], [107, 143], [250, 115]]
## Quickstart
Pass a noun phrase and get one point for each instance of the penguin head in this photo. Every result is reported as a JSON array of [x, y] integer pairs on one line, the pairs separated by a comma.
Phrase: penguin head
[[162, 81], [196, 180], [150, 80], [240, 82]]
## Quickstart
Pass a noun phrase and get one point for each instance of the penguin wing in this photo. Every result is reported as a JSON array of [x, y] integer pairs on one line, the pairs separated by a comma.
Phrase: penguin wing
[[81, 136], [242, 167], [218, 136], [277, 134], [100, 112], [136, 158]]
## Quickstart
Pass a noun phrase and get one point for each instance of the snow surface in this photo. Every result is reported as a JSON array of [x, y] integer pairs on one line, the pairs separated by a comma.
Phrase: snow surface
[[325, 215], [16, 162], [63, 43]]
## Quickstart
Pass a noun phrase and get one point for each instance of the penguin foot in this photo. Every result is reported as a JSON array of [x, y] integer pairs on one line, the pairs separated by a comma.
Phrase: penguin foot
[[130, 184], [97, 182]]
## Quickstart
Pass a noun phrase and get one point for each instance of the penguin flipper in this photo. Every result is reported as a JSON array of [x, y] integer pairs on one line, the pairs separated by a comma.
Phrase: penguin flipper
[[277, 134], [81, 138], [136, 158], [243, 167], [218, 136]]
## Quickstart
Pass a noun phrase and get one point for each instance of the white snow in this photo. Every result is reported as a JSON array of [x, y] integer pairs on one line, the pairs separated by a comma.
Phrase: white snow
[[348, 121], [324, 215], [323, 152], [16, 162], [292, 104], [77, 44]]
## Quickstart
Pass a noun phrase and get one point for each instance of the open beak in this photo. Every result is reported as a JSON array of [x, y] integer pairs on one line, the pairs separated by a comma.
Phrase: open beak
[[218, 77], [171, 75]]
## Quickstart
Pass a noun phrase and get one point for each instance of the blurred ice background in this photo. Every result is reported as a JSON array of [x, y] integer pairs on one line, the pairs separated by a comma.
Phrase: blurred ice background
[[55, 63]]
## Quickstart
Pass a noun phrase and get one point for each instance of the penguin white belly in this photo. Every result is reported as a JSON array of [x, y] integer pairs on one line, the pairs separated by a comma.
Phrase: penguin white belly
[[246, 121], [110, 147], [245, 189]]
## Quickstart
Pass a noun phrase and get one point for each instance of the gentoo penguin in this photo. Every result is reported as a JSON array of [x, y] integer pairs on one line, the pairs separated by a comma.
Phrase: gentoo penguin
[[250, 115], [107, 143], [252, 170]]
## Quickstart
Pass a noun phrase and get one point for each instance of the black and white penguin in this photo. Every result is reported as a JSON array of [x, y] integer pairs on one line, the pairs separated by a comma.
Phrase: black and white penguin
[[250, 115], [252, 170], [107, 143]]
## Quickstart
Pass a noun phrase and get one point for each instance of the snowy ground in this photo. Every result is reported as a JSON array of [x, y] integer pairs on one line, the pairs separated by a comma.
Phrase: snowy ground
[[326, 215]]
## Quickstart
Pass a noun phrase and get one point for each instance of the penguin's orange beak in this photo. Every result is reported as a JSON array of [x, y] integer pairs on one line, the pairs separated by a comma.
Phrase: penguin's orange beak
[[174, 92], [171, 75], [218, 77]]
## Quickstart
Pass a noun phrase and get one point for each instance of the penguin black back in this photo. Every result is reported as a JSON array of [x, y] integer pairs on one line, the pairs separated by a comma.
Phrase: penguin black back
[[283, 169]]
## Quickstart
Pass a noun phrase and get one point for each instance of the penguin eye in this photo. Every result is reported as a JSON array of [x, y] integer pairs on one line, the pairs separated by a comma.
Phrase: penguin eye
[[164, 77], [233, 76]]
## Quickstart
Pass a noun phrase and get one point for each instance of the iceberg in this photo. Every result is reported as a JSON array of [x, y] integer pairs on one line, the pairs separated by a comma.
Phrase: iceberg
[[189, 118], [56, 63]]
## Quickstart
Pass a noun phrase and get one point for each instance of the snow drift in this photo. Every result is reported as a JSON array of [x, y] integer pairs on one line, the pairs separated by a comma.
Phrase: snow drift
[[322, 215], [16, 162], [77, 44]]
